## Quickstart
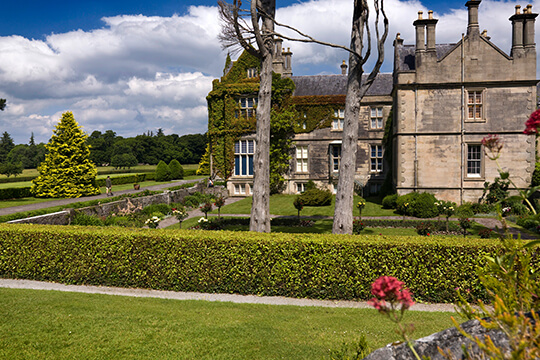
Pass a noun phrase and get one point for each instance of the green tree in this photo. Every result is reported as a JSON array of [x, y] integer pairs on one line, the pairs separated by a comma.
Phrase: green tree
[[282, 130], [6, 145], [9, 169], [123, 161], [67, 170], [163, 173], [2, 104], [177, 171]]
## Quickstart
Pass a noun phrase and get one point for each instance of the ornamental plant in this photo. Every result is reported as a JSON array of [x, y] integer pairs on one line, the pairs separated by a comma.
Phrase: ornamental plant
[[180, 214], [298, 205], [360, 206], [358, 226], [67, 170], [392, 299], [152, 222], [465, 224], [220, 201], [206, 208], [447, 208]]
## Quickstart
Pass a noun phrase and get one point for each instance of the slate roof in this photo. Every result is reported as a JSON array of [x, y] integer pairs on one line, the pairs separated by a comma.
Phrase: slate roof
[[406, 55], [314, 85]]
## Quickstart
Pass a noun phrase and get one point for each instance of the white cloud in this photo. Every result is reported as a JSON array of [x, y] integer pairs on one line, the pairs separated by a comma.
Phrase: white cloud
[[140, 73]]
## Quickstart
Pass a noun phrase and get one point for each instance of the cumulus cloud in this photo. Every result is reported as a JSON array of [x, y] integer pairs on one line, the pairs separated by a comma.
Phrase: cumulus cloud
[[139, 73]]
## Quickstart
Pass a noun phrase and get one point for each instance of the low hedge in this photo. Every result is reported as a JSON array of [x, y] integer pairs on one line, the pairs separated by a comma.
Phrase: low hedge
[[127, 179], [15, 193], [16, 179], [294, 265]]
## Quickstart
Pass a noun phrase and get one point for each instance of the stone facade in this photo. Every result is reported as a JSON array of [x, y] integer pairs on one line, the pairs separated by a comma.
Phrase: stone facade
[[443, 100]]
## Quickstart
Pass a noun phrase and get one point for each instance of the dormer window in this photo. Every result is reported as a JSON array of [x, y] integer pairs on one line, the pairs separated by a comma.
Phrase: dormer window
[[339, 118], [251, 73]]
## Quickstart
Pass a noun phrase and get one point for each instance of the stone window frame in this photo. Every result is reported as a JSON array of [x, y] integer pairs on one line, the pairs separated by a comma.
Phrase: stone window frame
[[239, 189], [252, 73], [300, 187], [479, 152], [302, 159], [376, 163], [246, 106], [335, 160], [339, 119], [378, 119], [475, 104], [244, 151]]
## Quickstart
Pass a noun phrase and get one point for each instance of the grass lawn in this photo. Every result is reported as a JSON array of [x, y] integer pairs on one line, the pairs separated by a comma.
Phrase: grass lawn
[[283, 205], [59, 325]]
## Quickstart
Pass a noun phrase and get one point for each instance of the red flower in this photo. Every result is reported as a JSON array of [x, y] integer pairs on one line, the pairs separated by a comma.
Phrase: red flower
[[532, 125], [388, 288]]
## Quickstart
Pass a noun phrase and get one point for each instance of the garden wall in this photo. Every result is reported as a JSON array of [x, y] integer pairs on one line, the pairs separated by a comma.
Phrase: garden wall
[[167, 197]]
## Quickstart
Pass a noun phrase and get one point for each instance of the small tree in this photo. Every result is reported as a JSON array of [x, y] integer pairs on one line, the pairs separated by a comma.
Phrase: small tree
[[220, 201], [361, 205], [298, 205], [2, 104], [10, 168], [67, 170], [123, 161], [206, 208], [177, 171], [163, 173]]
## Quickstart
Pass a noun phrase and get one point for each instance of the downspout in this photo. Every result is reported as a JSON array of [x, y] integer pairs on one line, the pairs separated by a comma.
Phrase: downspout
[[415, 138], [462, 139]]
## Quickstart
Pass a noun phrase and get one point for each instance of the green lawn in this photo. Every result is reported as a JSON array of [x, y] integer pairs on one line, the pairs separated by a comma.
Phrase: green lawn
[[283, 205], [59, 325]]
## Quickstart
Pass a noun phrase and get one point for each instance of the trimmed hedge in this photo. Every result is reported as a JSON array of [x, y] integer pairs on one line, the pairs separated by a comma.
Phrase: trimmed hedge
[[15, 193], [127, 179], [294, 265], [16, 179]]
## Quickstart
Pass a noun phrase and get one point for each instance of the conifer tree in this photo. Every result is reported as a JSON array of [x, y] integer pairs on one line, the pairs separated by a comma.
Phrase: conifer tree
[[163, 173], [177, 171], [67, 170]]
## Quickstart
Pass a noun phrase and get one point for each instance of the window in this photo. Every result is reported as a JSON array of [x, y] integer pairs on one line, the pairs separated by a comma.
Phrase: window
[[252, 72], [335, 155], [250, 189], [300, 187], [474, 160], [474, 105], [302, 159], [339, 117], [376, 118], [376, 158], [247, 107], [239, 189], [243, 157]]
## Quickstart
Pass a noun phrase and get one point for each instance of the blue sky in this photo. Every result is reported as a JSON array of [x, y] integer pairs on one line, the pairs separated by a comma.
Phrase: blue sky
[[133, 66]]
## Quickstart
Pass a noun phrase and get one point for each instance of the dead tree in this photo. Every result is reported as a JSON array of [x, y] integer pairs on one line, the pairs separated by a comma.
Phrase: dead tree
[[356, 89], [237, 30]]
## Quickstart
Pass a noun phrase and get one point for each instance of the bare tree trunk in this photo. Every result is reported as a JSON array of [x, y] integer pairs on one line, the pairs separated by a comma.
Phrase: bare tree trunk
[[260, 209], [343, 215]]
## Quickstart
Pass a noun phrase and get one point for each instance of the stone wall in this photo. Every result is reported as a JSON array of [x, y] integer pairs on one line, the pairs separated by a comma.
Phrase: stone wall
[[167, 197]]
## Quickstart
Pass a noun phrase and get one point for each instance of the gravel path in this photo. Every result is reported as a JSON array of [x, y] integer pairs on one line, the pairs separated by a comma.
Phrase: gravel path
[[233, 298]]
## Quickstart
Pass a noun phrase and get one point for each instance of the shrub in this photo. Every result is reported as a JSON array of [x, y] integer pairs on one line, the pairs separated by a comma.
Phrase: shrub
[[424, 229], [529, 222], [163, 173], [161, 208], [424, 206], [465, 210], [404, 203], [358, 226], [498, 190], [310, 185], [15, 193], [482, 208], [86, 220], [177, 171], [536, 175], [389, 201], [485, 233], [316, 197]]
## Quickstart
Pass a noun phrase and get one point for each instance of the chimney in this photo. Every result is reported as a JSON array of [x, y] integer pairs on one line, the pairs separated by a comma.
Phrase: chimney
[[528, 29], [398, 45], [430, 25], [278, 43], [420, 25], [287, 64], [343, 68], [473, 28], [518, 22]]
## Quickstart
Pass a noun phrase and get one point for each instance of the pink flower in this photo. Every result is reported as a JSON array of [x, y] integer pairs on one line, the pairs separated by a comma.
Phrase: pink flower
[[494, 144], [388, 288], [532, 125]]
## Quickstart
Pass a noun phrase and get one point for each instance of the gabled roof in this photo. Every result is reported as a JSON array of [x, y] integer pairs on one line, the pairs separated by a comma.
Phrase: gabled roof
[[317, 85], [406, 55]]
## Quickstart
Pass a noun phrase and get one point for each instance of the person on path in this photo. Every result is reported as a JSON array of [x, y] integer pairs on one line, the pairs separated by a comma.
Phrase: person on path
[[108, 186]]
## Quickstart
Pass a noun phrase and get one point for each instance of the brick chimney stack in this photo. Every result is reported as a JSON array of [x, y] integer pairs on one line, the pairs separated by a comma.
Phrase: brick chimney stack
[[473, 28]]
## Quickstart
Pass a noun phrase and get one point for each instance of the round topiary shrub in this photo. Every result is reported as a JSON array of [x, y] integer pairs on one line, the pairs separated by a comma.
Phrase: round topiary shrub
[[316, 197], [404, 203], [163, 173], [424, 206], [177, 171], [389, 201]]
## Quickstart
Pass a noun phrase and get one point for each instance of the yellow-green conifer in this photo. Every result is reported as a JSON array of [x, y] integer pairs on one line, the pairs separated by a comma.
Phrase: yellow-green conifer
[[67, 170]]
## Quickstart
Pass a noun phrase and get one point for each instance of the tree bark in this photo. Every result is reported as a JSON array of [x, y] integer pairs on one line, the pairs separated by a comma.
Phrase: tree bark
[[260, 209]]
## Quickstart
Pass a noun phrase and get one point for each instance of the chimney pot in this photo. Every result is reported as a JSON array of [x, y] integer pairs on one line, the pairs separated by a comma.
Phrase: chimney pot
[[398, 36], [518, 7], [420, 15], [430, 14]]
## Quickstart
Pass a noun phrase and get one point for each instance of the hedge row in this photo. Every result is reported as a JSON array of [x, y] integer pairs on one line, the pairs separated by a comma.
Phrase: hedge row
[[15, 193], [127, 179], [293, 265], [16, 179]]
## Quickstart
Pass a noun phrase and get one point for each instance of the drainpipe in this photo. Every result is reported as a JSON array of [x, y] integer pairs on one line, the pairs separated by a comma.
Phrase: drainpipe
[[462, 170], [415, 138]]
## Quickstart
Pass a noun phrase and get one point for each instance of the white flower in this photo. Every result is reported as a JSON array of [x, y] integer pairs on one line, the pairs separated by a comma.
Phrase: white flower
[[202, 220]]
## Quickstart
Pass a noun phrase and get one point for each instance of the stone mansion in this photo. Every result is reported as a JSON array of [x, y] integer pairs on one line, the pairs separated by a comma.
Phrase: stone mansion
[[421, 126]]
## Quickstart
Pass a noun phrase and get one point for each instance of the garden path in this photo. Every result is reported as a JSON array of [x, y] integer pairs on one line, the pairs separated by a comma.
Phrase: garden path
[[61, 202], [177, 295]]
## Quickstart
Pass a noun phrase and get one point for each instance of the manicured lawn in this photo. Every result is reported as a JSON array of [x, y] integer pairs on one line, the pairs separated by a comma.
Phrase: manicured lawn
[[58, 325], [283, 205]]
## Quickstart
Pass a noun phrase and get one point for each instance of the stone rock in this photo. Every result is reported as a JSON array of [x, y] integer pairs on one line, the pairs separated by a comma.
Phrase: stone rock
[[448, 340]]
